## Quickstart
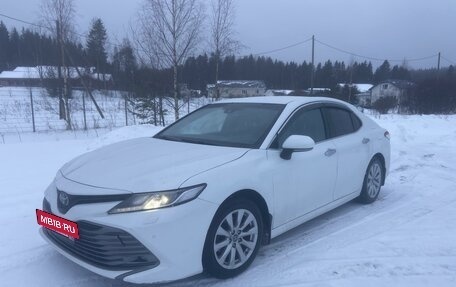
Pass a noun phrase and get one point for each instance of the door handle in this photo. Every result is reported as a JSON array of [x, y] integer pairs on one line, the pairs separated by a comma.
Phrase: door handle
[[366, 140], [330, 152]]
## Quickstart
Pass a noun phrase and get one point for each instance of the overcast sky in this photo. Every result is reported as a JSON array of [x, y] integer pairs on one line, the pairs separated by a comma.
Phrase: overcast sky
[[386, 29]]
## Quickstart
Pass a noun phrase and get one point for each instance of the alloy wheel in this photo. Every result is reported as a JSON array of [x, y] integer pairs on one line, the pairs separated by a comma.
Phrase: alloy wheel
[[374, 180], [236, 238]]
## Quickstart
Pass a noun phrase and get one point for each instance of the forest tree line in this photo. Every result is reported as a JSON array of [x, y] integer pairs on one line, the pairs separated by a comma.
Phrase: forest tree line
[[435, 90]]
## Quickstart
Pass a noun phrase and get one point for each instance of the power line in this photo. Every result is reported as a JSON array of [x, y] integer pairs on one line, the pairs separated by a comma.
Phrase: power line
[[38, 25], [448, 60], [255, 54], [22, 21], [373, 58], [281, 49], [82, 37]]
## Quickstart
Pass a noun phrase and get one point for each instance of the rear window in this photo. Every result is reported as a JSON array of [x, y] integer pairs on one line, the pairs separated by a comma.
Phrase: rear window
[[340, 122], [356, 122]]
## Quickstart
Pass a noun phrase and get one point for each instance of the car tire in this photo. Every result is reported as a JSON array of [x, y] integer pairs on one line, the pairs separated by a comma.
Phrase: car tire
[[372, 183], [231, 246]]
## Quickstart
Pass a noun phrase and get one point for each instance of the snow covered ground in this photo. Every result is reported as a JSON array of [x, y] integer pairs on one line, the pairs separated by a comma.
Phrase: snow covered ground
[[406, 238]]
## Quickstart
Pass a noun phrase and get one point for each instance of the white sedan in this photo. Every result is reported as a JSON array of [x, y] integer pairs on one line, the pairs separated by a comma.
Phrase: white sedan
[[206, 192]]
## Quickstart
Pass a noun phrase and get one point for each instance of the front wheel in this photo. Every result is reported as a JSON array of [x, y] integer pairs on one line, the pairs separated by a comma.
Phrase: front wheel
[[372, 182], [233, 239]]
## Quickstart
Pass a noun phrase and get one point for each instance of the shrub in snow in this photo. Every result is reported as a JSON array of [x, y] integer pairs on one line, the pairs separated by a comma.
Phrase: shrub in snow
[[385, 104]]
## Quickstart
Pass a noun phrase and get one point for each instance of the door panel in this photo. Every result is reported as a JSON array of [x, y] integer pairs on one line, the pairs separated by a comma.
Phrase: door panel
[[306, 181], [353, 150], [303, 183], [352, 154]]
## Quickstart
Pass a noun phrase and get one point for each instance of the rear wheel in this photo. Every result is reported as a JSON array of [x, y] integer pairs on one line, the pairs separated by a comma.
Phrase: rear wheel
[[233, 239], [372, 182]]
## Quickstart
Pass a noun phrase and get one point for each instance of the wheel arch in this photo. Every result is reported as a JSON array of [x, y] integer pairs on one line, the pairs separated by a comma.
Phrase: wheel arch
[[256, 198]]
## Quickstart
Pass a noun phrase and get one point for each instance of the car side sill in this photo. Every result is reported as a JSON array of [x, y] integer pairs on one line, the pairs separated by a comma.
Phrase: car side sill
[[311, 215]]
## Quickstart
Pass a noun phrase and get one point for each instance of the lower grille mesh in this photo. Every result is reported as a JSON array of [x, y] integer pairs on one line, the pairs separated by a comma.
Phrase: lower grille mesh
[[105, 247]]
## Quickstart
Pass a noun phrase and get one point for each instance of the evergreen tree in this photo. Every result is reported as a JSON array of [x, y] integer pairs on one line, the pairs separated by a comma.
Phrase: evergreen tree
[[124, 66], [382, 73], [96, 45], [362, 72], [4, 43], [13, 49], [450, 72], [400, 73]]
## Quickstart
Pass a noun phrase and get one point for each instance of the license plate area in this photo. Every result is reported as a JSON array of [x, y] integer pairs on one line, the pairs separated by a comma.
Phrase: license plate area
[[58, 224]]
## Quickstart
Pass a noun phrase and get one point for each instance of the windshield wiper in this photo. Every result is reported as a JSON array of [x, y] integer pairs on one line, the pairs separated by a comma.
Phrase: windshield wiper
[[170, 138], [203, 142], [186, 140], [196, 141]]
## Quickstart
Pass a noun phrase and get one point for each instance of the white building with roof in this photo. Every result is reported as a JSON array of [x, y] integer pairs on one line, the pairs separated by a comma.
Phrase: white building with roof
[[361, 88], [34, 76]]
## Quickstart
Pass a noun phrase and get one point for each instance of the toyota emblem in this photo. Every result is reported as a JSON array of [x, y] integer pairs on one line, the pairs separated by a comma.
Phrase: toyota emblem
[[64, 199]]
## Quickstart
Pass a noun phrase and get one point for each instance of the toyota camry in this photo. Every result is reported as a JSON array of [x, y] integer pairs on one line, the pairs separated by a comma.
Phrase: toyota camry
[[206, 192]]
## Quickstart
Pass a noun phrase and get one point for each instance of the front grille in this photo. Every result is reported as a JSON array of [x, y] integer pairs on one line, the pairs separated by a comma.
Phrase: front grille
[[66, 201], [105, 247], [46, 206]]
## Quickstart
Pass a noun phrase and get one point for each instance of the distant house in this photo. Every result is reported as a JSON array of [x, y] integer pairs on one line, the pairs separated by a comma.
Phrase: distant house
[[237, 89], [296, 93], [361, 92], [364, 99], [398, 89], [37, 76], [360, 87], [319, 91], [279, 93], [185, 92]]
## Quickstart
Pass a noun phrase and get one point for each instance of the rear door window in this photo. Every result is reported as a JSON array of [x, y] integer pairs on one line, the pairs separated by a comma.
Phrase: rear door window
[[339, 122], [356, 122]]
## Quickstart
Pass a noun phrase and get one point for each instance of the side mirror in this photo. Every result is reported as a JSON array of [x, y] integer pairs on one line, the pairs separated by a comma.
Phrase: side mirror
[[295, 143]]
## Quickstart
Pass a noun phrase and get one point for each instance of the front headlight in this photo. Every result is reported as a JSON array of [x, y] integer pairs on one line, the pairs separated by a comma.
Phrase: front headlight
[[159, 199]]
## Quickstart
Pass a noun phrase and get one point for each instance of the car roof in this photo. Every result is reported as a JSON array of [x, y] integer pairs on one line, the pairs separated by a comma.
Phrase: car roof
[[284, 100]]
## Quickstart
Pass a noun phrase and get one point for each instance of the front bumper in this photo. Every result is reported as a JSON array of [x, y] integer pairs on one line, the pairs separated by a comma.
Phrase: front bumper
[[174, 236], [105, 247]]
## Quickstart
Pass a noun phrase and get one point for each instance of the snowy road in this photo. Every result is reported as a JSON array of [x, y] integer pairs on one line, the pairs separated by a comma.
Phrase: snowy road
[[406, 238]]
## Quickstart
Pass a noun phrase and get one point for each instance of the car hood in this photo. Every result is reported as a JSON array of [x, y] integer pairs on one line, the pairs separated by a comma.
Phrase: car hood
[[146, 164]]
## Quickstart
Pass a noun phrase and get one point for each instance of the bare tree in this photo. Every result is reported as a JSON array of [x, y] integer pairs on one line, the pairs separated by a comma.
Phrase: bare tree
[[58, 16], [171, 30], [62, 11], [222, 34]]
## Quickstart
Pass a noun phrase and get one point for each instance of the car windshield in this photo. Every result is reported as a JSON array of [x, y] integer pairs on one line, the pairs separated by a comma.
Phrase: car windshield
[[231, 124]]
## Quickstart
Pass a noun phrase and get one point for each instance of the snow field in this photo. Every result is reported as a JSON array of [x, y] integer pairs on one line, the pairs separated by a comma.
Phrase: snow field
[[406, 238]]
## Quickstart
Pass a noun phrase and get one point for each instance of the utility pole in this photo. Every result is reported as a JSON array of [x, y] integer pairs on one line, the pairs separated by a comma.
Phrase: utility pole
[[66, 106], [438, 66], [351, 82], [438, 63], [126, 109], [59, 72], [438, 74], [81, 76], [65, 84], [84, 109], [312, 76], [33, 110]]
